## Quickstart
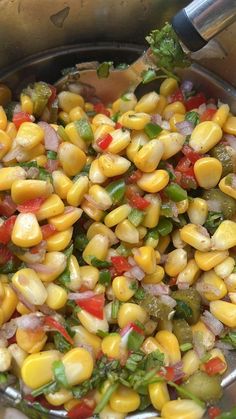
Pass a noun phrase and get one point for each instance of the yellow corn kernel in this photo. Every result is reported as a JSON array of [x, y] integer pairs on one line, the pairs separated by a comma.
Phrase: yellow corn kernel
[[26, 231], [150, 345], [182, 206], [100, 196], [175, 119], [150, 241], [134, 120], [91, 323], [108, 413], [210, 278], [156, 277], [75, 278], [125, 231], [41, 160], [202, 333], [221, 115], [159, 395], [5, 143], [176, 262], [189, 274], [69, 100], [167, 87], [5, 359], [147, 103], [205, 136], [152, 212], [142, 231], [113, 165], [78, 364], [30, 340], [197, 211], [224, 311], [163, 244], [117, 215], [74, 136], [82, 336], [191, 363], [227, 187], [59, 241], [232, 297], [61, 183], [95, 173], [101, 119], [67, 219], [57, 296], [3, 119], [27, 282], [197, 236], [9, 303], [59, 397], [149, 156], [230, 125], [37, 368], [176, 240], [182, 409], [29, 135], [64, 118], [208, 260], [77, 113], [120, 140], [121, 286], [99, 228], [91, 210], [97, 247], [22, 190], [72, 158], [1, 317], [216, 353], [27, 155], [225, 236], [154, 182], [230, 282], [51, 207], [121, 105], [225, 268], [161, 105], [89, 276], [99, 132], [145, 258], [26, 104], [208, 172], [18, 356], [11, 130], [130, 312], [111, 346], [170, 343], [8, 175], [22, 309], [172, 108], [138, 140], [124, 400], [172, 142], [77, 191]]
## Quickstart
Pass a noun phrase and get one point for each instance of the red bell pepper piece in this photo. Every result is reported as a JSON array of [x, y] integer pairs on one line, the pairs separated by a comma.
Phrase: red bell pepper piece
[[168, 373], [136, 200], [214, 412], [7, 206], [195, 101], [131, 326], [177, 96], [214, 366], [5, 255], [104, 141], [6, 229], [192, 155], [53, 94], [31, 205], [48, 230], [207, 115], [120, 264], [93, 305], [118, 125], [54, 324], [20, 117], [100, 108], [82, 410]]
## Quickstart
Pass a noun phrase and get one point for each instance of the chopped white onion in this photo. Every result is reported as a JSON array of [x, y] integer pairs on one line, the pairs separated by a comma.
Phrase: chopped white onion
[[183, 285], [214, 205], [8, 329], [165, 125], [136, 273], [81, 295], [157, 289], [231, 140], [156, 119], [215, 326], [178, 371], [184, 127], [51, 139], [198, 345], [131, 259], [30, 321], [203, 287], [168, 301], [23, 300]]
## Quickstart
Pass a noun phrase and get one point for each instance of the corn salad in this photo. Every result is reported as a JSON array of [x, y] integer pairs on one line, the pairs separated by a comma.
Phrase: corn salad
[[117, 249]]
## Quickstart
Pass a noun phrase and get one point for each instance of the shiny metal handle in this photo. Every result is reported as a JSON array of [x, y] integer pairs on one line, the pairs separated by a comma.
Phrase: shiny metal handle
[[201, 20]]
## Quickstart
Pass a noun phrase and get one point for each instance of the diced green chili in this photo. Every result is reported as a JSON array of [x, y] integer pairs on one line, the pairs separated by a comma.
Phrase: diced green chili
[[135, 340], [192, 117], [81, 241], [116, 190], [51, 155], [104, 277], [136, 217], [175, 192], [97, 263], [164, 226], [152, 130], [62, 133], [84, 129], [40, 94], [148, 76]]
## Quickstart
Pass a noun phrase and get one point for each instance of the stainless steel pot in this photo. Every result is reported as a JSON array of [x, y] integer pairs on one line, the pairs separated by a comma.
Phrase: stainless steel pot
[[39, 38]]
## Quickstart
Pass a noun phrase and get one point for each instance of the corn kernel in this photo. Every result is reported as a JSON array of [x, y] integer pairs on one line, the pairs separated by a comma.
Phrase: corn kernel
[[208, 260], [197, 236], [230, 282], [59, 241], [89, 276], [59, 397], [67, 219], [201, 332], [167, 87], [152, 213], [134, 120], [82, 336], [99, 228], [163, 244], [226, 187], [176, 262], [125, 231], [191, 363], [205, 136], [147, 103], [26, 231], [74, 137], [149, 156], [230, 125], [11, 130], [57, 296], [225, 268], [170, 343], [3, 119], [138, 140], [130, 312], [69, 100], [37, 368], [176, 240], [23, 190], [5, 143], [91, 323], [189, 274], [172, 142], [121, 286], [154, 182], [121, 105], [150, 345], [61, 183], [111, 346], [113, 165], [29, 135], [197, 211], [120, 140], [124, 400], [156, 277], [159, 394], [63, 117], [97, 247], [55, 264], [30, 286], [9, 304], [182, 409], [31, 340], [175, 119], [77, 113], [72, 158], [172, 108], [219, 289], [224, 311], [51, 207], [8, 175], [5, 359], [225, 236], [221, 115], [78, 364], [208, 172], [145, 258]]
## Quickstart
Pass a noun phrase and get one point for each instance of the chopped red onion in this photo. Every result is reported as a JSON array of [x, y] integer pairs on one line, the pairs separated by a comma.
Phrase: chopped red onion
[[178, 371], [8, 329], [51, 139], [164, 258], [52, 165], [136, 273], [30, 321], [214, 205], [168, 301], [224, 346], [23, 300], [156, 119], [215, 326], [231, 140], [12, 154], [81, 295], [40, 268], [157, 289], [131, 259], [202, 108], [184, 127], [47, 311], [183, 285], [97, 205], [32, 173], [203, 287], [186, 86]]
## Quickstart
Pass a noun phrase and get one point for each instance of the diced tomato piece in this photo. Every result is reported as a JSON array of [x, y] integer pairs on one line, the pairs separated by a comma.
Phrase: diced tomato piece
[[134, 177], [185, 174], [118, 125], [20, 117], [136, 200], [5, 255], [6, 229], [214, 366], [214, 412], [100, 108], [11, 340], [93, 305], [131, 326], [7, 206], [183, 165], [192, 155], [48, 230], [82, 410], [177, 96], [168, 373], [207, 115], [32, 205], [104, 141], [53, 94], [195, 101], [120, 264], [54, 324], [51, 165]]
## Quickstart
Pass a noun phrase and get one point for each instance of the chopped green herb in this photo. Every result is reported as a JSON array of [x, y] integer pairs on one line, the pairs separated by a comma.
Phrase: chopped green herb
[[125, 97], [122, 66], [152, 130], [106, 397], [115, 309], [102, 334], [103, 69], [3, 377], [104, 277], [135, 340], [228, 415], [81, 241], [185, 393], [115, 116], [182, 310], [46, 389], [214, 219], [97, 263], [123, 250], [149, 75], [51, 155], [192, 117], [59, 374], [44, 175], [140, 294], [61, 344], [230, 338]]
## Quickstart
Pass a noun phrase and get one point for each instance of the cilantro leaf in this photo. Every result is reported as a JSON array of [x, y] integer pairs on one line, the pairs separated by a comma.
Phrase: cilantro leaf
[[230, 338]]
